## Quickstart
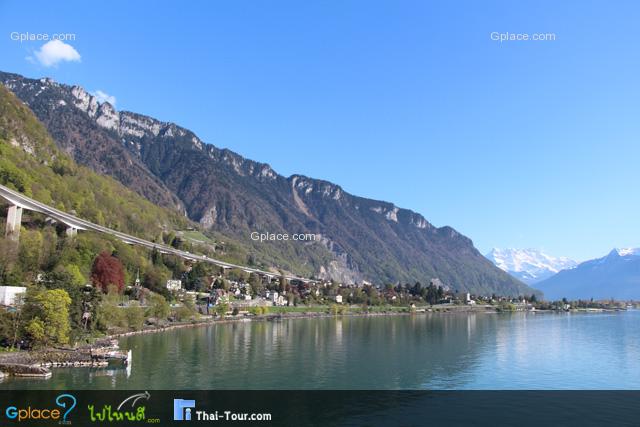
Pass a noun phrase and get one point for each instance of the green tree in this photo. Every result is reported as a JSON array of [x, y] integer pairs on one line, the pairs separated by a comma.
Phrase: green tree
[[506, 306], [221, 283], [49, 316], [8, 262], [156, 278], [35, 331], [158, 307], [12, 177], [9, 327], [255, 281], [109, 313], [221, 309], [75, 275], [84, 300], [183, 313], [169, 238], [237, 275], [284, 284], [30, 253], [135, 316]]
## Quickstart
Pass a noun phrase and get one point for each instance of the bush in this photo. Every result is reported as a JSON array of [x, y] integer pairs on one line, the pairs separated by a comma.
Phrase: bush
[[184, 312], [336, 309], [134, 315], [48, 314], [158, 307], [109, 313], [221, 309], [259, 310], [35, 331], [506, 307]]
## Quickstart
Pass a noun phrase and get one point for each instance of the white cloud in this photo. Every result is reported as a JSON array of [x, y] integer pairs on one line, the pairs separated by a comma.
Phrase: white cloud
[[104, 97], [55, 51]]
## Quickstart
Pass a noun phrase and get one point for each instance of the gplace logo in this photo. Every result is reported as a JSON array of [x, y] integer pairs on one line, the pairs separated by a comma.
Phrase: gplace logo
[[66, 401], [182, 409]]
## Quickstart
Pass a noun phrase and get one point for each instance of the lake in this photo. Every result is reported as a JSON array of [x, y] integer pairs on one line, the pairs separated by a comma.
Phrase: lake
[[424, 351]]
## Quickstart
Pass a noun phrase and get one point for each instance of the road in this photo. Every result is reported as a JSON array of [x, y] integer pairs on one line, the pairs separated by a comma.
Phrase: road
[[29, 204]]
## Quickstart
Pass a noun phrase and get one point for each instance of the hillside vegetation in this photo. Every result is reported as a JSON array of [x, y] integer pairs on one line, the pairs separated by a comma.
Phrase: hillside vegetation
[[358, 239], [31, 163]]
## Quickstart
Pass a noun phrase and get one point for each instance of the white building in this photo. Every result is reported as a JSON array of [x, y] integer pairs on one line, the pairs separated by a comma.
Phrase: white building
[[174, 285], [272, 296], [466, 298], [9, 294], [337, 299]]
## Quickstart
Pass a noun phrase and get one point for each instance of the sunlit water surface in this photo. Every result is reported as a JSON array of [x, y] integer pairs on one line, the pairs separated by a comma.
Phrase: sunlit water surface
[[432, 351]]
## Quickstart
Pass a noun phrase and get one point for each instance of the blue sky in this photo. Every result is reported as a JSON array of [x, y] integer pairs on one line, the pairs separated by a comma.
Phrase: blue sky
[[515, 144]]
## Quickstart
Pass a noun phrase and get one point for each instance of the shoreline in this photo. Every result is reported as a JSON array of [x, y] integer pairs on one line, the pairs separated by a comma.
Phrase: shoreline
[[322, 315], [38, 363], [302, 315]]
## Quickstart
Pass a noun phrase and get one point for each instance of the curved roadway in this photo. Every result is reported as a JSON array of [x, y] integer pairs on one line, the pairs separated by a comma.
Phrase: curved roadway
[[27, 203]]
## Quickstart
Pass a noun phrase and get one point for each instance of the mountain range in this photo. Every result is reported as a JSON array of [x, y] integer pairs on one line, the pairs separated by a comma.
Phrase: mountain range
[[616, 275], [529, 265], [230, 196]]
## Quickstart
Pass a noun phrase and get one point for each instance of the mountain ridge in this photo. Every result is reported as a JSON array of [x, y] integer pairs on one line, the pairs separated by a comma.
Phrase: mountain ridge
[[615, 275], [529, 265], [359, 239]]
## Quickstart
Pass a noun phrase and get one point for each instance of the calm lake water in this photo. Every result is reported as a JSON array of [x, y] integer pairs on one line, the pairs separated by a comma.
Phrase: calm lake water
[[432, 351]]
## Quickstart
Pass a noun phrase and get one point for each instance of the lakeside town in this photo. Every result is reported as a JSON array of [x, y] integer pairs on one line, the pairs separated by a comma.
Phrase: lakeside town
[[43, 325]]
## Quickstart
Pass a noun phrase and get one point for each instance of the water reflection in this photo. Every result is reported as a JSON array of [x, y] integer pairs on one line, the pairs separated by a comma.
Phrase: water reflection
[[430, 351]]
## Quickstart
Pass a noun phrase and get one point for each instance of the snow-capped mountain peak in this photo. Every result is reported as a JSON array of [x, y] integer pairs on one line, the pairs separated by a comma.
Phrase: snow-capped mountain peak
[[615, 275], [628, 251], [529, 265]]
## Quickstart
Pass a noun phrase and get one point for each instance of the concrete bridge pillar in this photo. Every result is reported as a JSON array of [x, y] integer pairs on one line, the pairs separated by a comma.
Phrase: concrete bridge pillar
[[14, 222], [72, 232]]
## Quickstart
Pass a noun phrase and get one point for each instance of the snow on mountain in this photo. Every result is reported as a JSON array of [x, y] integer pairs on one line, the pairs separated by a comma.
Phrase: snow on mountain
[[529, 265], [628, 251], [615, 275]]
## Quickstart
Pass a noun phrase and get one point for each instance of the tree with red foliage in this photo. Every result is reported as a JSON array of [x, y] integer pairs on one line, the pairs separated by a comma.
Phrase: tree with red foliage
[[107, 270]]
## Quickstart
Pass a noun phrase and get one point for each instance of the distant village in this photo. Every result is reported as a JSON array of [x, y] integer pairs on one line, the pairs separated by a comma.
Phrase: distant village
[[233, 293], [241, 294], [238, 295]]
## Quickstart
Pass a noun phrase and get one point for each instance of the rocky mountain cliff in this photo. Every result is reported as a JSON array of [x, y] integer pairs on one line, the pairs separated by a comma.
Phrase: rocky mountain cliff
[[356, 238], [78, 123]]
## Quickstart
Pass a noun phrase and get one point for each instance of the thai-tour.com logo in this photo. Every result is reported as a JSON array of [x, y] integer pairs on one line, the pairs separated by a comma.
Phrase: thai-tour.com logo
[[185, 410], [59, 411], [182, 409], [129, 410]]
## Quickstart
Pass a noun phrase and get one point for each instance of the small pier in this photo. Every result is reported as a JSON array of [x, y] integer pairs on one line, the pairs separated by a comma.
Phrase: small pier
[[19, 370], [38, 363]]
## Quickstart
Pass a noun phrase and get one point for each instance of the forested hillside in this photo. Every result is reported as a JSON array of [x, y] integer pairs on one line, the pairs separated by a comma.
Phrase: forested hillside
[[31, 163], [358, 239]]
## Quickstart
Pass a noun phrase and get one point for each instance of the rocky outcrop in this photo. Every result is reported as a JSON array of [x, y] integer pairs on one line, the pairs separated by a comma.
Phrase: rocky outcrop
[[362, 239]]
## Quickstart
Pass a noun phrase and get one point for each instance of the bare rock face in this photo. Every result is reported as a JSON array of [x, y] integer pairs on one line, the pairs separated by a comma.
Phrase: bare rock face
[[361, 239], [91, 133], [209, 218]]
